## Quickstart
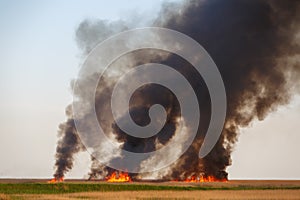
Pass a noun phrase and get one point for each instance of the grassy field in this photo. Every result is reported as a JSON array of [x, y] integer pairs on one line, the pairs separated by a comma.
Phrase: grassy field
[[165, 195], [19, 190]]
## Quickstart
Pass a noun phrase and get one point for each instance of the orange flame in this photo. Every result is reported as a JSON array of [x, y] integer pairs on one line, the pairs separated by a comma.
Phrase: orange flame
[[119, 177], [194, 179], [56, 180]]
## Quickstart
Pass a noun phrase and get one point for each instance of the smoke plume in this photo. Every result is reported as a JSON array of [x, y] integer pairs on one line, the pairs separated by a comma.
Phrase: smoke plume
[[255, 45], [67, 146]]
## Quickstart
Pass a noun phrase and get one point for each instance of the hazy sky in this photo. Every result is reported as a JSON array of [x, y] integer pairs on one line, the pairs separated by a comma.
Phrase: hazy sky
[[39, 57]]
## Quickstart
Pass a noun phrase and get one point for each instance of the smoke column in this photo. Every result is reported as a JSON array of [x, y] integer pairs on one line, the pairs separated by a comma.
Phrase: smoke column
[[251, 42], [67, 146], [255, 45]]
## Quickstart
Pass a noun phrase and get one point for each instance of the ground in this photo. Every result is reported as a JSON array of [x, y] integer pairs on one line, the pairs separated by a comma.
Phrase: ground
[[19, 189]]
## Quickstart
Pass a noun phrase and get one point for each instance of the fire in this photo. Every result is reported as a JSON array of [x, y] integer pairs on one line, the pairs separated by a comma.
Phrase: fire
[[56, 180], [119, 177], [194, 179]]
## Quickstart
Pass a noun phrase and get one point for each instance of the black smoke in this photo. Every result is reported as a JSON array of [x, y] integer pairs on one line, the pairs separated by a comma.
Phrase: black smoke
[[248, 41], [68, 144], [253, 43]]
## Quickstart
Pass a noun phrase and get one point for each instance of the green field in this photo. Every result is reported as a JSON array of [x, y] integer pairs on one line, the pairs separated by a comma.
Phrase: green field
[[61, 188]]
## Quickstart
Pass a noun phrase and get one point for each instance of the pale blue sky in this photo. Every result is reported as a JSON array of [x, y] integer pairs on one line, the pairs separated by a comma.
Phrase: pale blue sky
[[39, 57]]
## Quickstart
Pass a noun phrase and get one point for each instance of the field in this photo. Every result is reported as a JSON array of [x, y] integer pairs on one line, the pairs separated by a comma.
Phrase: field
[[19, 189]]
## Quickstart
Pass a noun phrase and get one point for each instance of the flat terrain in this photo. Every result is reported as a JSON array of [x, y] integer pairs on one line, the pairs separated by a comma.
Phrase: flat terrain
[[18, 189]]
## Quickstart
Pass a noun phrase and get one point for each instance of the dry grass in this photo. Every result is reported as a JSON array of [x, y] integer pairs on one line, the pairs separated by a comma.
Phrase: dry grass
[[4, 197], [172, 195]]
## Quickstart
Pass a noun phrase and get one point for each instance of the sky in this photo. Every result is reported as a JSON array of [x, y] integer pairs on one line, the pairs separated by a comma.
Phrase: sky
[[38, 59]]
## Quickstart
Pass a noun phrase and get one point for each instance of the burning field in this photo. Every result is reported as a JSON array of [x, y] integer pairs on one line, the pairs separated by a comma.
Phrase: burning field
[[255, 46]]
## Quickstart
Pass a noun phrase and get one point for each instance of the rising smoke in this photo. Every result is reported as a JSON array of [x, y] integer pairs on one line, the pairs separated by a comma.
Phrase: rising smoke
[[253, 43]]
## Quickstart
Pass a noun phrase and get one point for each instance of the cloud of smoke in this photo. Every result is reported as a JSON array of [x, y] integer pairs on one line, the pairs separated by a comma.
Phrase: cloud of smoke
[[254, 43]]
